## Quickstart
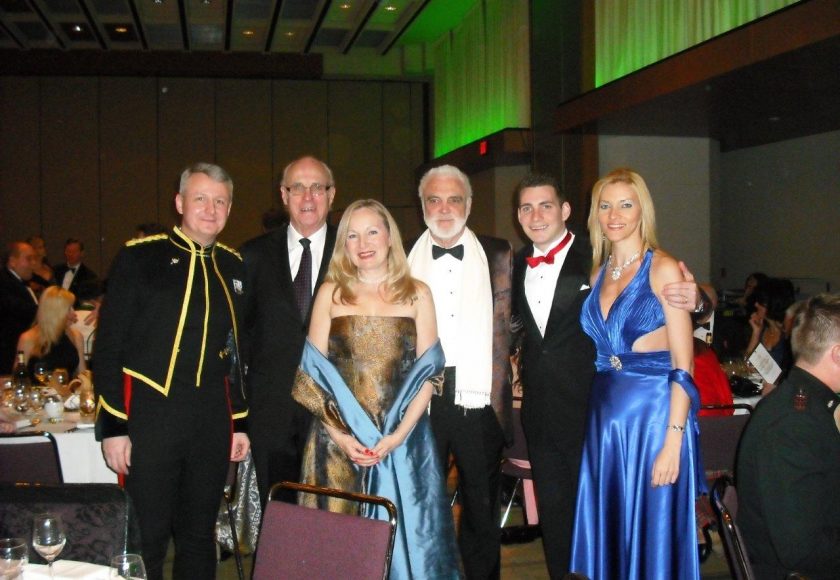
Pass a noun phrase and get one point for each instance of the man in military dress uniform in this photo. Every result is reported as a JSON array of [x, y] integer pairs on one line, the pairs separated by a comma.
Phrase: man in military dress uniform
[[171, 410]]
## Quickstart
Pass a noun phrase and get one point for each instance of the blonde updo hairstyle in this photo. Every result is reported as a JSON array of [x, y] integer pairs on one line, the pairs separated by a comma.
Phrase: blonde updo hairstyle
[[400, 287], [601, 246]]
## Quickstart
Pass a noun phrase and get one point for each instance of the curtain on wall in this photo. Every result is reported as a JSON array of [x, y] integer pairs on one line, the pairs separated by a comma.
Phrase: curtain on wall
[[482, 80], [631, 34]]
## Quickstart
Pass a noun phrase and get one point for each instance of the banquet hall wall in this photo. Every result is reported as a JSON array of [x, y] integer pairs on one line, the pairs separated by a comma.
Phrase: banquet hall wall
[[92, 157]]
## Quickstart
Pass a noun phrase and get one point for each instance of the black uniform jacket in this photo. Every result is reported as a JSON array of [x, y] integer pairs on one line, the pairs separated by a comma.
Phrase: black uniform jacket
[[142, 319], [789, 481]]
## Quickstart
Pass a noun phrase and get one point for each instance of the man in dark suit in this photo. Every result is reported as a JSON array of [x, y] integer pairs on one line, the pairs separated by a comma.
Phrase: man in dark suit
[[75, 276], [550, 283], [470, 278], [18, 304], [284, 269], [789, 458]]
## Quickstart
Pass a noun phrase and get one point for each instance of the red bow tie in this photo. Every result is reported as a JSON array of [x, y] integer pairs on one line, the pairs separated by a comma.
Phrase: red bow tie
[[534, 261]]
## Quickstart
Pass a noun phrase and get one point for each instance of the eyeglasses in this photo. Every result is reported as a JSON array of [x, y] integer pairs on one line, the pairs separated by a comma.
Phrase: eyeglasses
[[315, 189]]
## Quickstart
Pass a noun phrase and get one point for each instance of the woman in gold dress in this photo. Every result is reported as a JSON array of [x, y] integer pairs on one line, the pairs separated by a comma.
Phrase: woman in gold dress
[[366, 375]]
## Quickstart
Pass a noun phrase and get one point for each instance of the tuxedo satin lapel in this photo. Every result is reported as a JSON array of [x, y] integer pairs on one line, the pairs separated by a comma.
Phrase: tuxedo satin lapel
[[525, 314], [329, 245], [572, 276]]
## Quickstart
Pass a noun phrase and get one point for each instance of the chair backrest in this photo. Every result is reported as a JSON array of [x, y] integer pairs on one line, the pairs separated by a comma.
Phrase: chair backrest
[[519, 449], [30, 458], [719, 438], [98, 518], [301, 543], [725, 505]]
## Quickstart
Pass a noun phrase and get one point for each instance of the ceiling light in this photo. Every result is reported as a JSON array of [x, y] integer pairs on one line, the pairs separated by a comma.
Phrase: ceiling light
[[77, 28], [158, 1], [290, 34], [345, 5], [121, 29], [247, 33], [390, 8]]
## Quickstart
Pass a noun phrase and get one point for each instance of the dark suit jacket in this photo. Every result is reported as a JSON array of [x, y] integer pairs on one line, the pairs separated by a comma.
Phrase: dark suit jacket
[[556, 370], [499, 259], [85, 284], [17, 313], [274, 332]]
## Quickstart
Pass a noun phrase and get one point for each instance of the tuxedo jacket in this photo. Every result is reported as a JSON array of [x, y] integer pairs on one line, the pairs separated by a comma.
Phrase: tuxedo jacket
[[274, 332], [556, 370], [85, 284], [17, 313], [499, 260]]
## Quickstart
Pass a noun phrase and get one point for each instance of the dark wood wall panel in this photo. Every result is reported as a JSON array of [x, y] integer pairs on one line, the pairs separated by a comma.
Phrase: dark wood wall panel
[[397, 161], [186, 134], [243, 148], [128, 158], [92, 157], [299, 112], [70, 172], [355, 132], [20, 202]]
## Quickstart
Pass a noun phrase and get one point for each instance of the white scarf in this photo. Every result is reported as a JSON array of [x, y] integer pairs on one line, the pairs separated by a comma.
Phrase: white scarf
[[474, 375]]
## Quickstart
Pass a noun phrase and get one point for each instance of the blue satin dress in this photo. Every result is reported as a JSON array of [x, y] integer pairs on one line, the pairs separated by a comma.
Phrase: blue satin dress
[[624, 527], [364, 387]]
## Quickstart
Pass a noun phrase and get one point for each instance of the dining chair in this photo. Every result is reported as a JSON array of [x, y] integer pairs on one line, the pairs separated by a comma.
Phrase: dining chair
[[29, 457], [229, 496], [99, 518], [725, 505], [516, 465], [301, 543]]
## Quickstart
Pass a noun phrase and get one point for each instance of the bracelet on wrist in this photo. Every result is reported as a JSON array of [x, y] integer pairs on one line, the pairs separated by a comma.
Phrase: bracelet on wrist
[[678, 428]]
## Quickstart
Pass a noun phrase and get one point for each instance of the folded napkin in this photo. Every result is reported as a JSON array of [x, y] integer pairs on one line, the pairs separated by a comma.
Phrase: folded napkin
[[72, 402], [66, 570]]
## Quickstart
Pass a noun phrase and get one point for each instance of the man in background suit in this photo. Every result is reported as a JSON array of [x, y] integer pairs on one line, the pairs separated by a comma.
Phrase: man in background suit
[[469, 277], [18, 304], [284, 269], [550, 284], [75, 276]]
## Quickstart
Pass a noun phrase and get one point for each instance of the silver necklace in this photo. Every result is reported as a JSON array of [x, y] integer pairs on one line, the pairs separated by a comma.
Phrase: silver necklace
[[617, 271], [375, 282]]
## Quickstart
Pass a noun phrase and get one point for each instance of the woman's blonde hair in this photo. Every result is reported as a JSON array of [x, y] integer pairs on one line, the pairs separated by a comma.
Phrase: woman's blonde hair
[[51, 319], [601, 246], [400, 286]]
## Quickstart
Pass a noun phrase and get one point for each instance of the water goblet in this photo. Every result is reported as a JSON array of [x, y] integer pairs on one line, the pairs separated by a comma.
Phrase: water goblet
[[48, 537], [14, 555], [36, 399], [128, 566]]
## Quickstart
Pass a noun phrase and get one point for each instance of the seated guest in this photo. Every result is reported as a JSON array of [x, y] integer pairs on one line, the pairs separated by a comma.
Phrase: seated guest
[[768, 305], [75, 276], [711, 381], [52, 339], [366, 374], [789, 460], [752, 282], [17, 301], [42, 272], [148, 229]]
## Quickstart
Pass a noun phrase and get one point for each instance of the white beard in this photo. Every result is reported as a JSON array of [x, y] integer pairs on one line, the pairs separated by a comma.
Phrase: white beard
[[440, 234]]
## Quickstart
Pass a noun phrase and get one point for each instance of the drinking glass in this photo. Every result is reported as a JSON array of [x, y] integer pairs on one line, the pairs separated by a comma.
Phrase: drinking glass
[[128, 566], [48, 537], [36, 398], [14, 555], [41, 371]]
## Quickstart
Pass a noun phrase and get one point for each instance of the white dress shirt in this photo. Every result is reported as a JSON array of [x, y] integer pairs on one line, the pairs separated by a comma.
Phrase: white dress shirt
[[446, 284], [316, 247], [69, 275], [541, 282]]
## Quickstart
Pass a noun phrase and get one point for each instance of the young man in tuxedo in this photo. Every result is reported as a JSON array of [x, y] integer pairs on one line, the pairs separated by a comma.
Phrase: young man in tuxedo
[[550, 283], [284, 269], [469, 277]]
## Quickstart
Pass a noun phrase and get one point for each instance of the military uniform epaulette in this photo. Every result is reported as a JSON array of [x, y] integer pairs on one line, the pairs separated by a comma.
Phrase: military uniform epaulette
[[229, 249], [147, 239]]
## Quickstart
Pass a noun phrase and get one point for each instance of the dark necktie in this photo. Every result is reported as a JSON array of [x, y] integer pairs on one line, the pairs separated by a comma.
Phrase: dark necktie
[[456, 252], [303, 280]]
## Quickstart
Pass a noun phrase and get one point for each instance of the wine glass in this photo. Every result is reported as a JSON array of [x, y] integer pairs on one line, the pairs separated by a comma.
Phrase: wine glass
[[128, 566], [48, 537], [41, 372], [14, 555], [36, 399]]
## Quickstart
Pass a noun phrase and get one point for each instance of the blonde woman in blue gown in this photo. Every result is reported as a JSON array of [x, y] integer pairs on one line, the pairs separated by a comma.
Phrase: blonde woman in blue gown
[[367, 375], [640, 469]]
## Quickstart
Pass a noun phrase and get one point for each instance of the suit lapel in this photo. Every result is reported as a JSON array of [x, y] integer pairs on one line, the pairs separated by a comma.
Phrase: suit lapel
[[572, 275], [525, 314]]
